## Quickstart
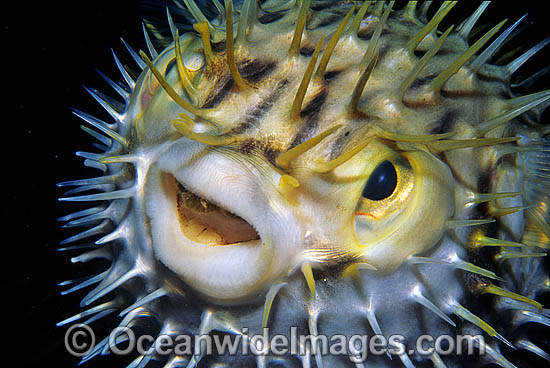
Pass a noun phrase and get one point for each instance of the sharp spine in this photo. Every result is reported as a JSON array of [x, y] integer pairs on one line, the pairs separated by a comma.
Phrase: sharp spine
[[169, 90], [442, 78], [398, 137], [457, 263], [486, 197], [109, 179], [118, 233], [378, 8], [410, 78], [324, 167], [171, 24], [430, 26], [112, 304], [499, 212], [493, 47], [100, 98], [285, 158], [88, 155], [296, 107], [269, 298], [486, 288], [132, 53], [423, 11], [99, 253], [455, 224], [230, 52], [99, 229], [95, 165], [319, 74], [467, 266], [408, 13], [517, 107], [202, 28], [182, 70], [506, 254], [127, 159], [448, 145], [104, 127], [356, 23], [107, 142], [195, 11], [313, 331], [77, 247], [417, 296], [360, 86], [160, 292], [373, 323], [468, 25], [246, 20], [117, 194], [528, 345], [406, 360], [481, 240], [437, 361], [308, 275], [154, 54], [300, 25], [86, 188], [83, 213], [107, 285], [513, 66], [464, 313], [121, 91], [89, 281], [525, 316], [373, 43], [129, 81], [529, 82]]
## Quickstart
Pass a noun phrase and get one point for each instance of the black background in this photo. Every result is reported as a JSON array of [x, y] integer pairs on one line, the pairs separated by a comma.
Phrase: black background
[[54, 49]]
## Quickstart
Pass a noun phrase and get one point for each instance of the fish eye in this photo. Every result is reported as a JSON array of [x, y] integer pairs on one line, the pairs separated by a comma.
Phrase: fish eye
[[404, 184], [382, 182]]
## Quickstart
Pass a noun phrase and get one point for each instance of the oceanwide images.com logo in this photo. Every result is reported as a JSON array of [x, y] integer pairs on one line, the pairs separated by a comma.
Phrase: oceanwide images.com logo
[[80, 341]]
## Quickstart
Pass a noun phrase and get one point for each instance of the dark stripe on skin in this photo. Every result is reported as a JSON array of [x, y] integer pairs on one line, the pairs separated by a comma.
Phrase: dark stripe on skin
[[253, 116], [306, 51], [251, 70], [251, 145], [220, 90], [446, 123], [420, 82], [218, 47], [317, 6], [328, 20], [256, 70], [331, 74], [270, 17], [310, 113]]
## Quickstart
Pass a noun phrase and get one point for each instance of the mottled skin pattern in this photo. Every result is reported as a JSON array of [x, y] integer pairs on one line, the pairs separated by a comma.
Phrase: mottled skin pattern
[[319, 218]]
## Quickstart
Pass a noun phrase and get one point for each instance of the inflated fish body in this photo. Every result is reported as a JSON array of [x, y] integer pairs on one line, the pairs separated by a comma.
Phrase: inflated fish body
[[343, 168]]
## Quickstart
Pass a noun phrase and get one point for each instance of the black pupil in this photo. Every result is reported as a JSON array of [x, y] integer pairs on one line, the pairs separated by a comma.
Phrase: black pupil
[[381, 183]]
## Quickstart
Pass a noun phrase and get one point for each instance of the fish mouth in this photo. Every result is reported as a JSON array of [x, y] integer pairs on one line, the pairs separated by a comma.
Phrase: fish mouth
[[206, 223]]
